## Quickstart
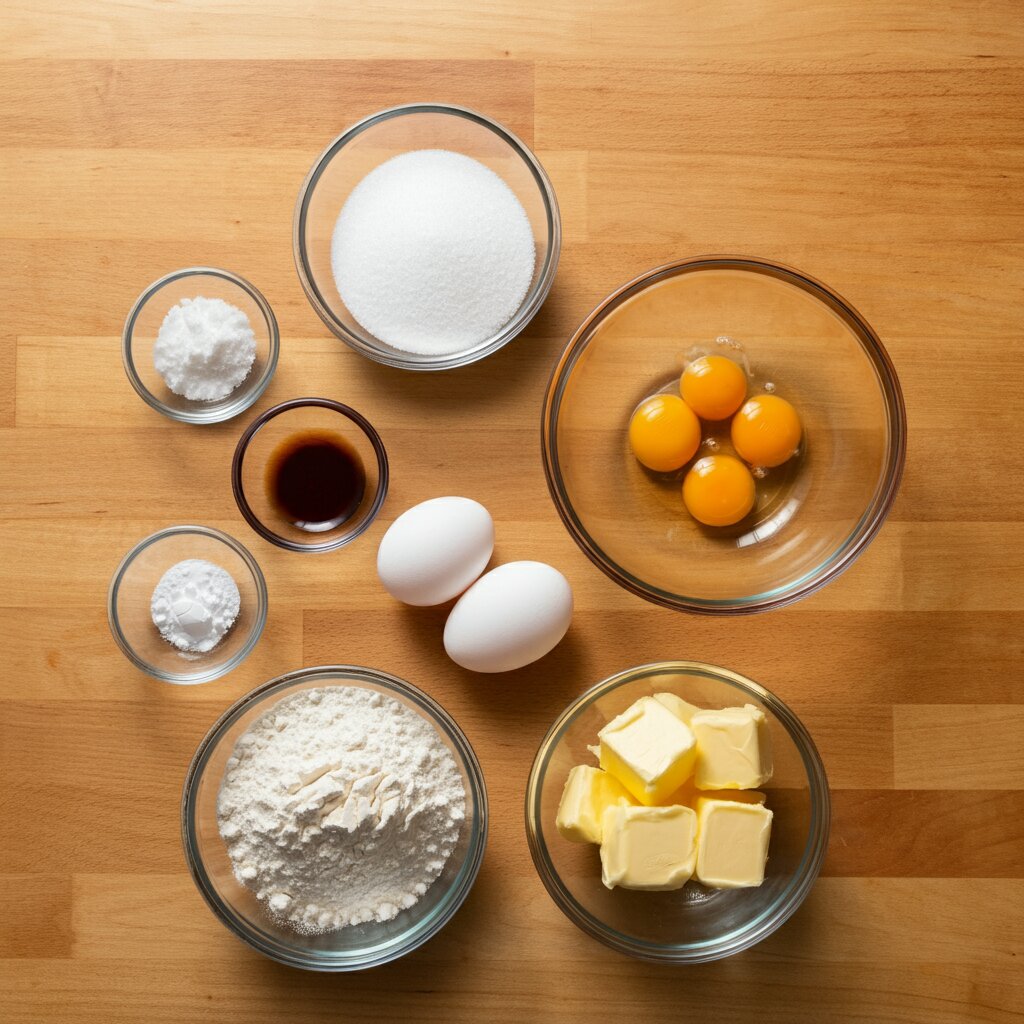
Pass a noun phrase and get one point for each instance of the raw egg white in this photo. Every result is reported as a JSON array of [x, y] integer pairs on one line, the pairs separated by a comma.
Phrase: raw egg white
[[508, 618], [436, 549]]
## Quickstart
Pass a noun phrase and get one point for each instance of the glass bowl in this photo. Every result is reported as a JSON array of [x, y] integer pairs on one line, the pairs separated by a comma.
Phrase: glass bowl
[[693, 924], [357, 946], [366, 145], [143, 325], [814, 515], [131, 590], [262, 440]]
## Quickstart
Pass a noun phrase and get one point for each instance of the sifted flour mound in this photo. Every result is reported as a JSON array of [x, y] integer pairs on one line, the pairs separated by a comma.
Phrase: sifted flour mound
[[339, 806]]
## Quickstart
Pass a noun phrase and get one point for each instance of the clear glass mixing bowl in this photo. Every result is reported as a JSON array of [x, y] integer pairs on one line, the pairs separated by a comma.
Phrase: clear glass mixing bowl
[[692, 924], [364, 146], [357, 946], [816, 514]]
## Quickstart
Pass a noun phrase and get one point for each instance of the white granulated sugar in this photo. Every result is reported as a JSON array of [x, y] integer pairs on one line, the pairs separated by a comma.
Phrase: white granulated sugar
[[205, 348], [195, 604], [432, 253], [340, 806]]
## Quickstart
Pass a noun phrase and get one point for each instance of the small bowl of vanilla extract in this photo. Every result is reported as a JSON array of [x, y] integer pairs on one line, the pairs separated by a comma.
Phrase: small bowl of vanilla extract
[[310, 474]]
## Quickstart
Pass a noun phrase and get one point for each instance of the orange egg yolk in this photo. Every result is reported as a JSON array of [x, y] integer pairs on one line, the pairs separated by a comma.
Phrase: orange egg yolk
[[664, 433], [718, 490], [766, 431], [713, 387]]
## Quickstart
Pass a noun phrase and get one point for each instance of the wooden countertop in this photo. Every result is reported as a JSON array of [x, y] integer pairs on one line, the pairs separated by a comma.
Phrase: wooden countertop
[[876, 145]]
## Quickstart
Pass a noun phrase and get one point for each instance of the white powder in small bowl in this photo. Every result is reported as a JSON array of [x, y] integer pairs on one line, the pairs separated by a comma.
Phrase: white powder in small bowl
[[433, 253], [194, 605], [205, 348]]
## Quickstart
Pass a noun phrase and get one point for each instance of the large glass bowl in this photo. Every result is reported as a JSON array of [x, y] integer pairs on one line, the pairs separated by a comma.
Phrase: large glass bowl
[[366, 145], [816, 514], [692, 924], [357, 946]]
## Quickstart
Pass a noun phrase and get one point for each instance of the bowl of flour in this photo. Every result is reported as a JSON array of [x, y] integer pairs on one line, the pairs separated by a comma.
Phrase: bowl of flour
[[335, 818], [427, 236]]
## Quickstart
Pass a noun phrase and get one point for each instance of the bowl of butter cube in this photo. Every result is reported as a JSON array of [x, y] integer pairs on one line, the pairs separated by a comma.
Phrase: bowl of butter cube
[[678, 812]]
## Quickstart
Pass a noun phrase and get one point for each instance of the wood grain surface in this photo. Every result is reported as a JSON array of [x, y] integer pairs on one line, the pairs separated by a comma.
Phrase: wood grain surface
[[876, 144]]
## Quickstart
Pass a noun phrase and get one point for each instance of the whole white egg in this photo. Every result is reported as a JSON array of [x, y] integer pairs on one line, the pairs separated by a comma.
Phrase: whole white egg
[[436, 549], [508, 618]]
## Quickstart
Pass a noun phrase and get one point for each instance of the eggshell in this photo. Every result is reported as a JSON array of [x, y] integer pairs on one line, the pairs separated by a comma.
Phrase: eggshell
[[436, 549], [508, 618]]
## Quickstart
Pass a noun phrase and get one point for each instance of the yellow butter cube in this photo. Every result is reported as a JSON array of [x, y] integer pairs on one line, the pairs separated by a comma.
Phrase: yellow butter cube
[[732, 844], [683, 710], [588, 793], [649, 750], [648, 847], [734, 750]]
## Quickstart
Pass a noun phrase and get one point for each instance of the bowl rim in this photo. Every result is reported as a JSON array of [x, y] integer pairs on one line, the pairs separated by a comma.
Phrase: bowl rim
[[248, 395], [395, 357], [461, 885], [213, 672], [866, 527], [768, 920], [261, 421]]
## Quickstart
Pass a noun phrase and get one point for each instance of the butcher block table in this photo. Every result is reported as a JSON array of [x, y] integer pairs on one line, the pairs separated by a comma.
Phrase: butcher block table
[[878, 146]]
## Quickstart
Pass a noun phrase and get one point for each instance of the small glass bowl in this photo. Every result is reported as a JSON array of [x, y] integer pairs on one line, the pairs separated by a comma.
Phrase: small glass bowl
[[814, 515], [131, 591], [143, 325], [357, 946], [693, 924], [262, 438], [369, 143]]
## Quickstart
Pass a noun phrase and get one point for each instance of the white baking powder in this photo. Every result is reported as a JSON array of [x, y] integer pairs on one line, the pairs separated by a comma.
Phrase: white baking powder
[[205, 348], [195, 604], [340, 806], [432, 253]]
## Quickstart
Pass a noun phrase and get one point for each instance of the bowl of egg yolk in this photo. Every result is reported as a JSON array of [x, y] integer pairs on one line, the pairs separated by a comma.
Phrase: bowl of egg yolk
[[723, 435]]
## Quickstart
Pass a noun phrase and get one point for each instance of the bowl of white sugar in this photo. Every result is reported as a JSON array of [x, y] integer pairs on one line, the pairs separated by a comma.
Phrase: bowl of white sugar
[[334, 818], [200, 345], [427, 236]]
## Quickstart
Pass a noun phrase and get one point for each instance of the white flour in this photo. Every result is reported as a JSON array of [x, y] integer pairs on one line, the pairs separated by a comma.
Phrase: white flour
[[338, 806]]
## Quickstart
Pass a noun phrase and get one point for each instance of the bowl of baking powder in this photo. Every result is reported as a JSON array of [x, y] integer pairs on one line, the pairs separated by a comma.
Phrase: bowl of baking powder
[[334, 818]]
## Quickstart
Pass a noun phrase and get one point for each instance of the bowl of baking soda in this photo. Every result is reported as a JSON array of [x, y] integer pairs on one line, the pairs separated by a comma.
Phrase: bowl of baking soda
[[187, 604], [200, 345], [334, 818], [426, 236]]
